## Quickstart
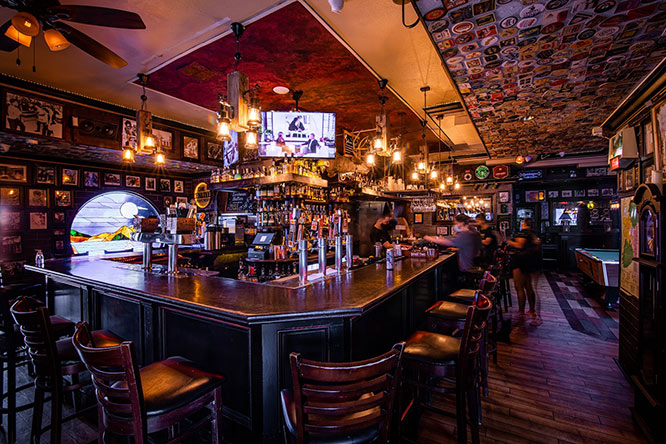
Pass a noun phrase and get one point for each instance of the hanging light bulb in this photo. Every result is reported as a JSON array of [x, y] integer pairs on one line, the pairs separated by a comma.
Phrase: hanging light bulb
[[149, 142], [18, 36], [370, 160], [224, 129], [128, 154], [449, 180], [420, 166], [415, 175], [433, 174], [442, 186], [457, 186], [519, 160], [160, 157], [397, 156], [26, 23], [253, 113], [55, 40], [251, 139]]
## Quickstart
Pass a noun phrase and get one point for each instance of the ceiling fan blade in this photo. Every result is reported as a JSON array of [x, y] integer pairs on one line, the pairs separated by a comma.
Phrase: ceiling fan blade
[[7, 44], [94, 15], [89, 45]]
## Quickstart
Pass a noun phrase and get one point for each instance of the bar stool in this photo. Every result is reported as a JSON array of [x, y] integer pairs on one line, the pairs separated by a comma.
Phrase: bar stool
[[342, 403], [52, 359], [449, 365], [137, 402]]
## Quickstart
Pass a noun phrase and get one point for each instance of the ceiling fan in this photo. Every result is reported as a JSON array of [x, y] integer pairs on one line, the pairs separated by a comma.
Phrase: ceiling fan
[[49, 15]]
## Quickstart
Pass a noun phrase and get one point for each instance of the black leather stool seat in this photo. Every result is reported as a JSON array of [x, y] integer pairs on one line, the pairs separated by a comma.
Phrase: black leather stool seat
[[172, 383], [464, 295], [102, 338], [289, 413], [449, 310], [61, 326], [432, 348]]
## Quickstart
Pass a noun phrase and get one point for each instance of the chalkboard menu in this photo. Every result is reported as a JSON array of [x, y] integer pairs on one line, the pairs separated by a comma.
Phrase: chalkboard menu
[[241, 202]]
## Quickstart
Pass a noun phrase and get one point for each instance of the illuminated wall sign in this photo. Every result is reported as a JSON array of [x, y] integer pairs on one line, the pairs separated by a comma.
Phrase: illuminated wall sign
[[202, 195], [468, 175], [615, 163], [500, 172], [482, 172], [530, 174]]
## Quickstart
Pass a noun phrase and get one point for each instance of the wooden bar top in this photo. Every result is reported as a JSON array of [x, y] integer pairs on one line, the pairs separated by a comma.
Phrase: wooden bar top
[[348, 294]]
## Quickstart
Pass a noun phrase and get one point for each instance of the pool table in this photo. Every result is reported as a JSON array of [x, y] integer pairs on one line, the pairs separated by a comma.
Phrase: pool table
[[603, 267]]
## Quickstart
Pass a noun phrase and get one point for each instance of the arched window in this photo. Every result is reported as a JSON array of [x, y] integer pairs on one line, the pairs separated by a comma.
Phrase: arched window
[[104, 223]]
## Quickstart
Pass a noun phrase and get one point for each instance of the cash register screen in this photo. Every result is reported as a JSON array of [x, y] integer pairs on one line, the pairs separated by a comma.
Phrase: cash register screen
[[263, 239]]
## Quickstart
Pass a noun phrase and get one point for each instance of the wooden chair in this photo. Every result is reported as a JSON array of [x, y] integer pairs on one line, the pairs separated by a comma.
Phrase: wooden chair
[[436, 363], [345, 402], [137, 402], [52, 359]]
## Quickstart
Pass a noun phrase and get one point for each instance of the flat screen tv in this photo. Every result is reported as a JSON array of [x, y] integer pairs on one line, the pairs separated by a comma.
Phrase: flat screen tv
[[566, 213], [299, 133]]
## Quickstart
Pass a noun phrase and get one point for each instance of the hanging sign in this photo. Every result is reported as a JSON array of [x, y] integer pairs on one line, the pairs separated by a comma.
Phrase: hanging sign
[[500, 172], [202, 195], [424, 205], [349, 143]]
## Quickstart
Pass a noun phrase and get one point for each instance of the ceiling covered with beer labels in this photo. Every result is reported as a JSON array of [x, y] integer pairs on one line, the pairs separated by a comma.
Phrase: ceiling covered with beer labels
[[537, 76]]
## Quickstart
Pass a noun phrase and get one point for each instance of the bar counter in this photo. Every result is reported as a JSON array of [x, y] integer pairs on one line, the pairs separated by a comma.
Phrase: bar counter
[[245, 330]]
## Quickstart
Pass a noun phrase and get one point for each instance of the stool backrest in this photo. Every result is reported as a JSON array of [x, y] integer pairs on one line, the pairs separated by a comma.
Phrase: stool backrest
[[470, 343], [35, 326], [488, 283], [342, 398], [117, 382]]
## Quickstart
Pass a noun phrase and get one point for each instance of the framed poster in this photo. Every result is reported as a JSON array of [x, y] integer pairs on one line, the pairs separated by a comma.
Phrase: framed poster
[[38, 198], [181, 199], [10, 196], [214, 151], [59, 219], [629, 246], [504, 196], [418, 218], [163, 138], [567, 193], [38, 221], [45, 175], [649, 138], [178, 186], [13, 173], [70, 176], [10, 221], [660, 135], [607, 192], [168, 201], [63, 198], [553, 194], [191, 147], [132, 181], [165, 185], [533, 196], [11, 244], [579, 193], [112, 179], [151, 184], [593, 192], [33, 116], [442, 230], [91, 179]]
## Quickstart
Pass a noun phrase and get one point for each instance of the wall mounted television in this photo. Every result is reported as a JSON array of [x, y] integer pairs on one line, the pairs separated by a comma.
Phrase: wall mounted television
[[302, 134]]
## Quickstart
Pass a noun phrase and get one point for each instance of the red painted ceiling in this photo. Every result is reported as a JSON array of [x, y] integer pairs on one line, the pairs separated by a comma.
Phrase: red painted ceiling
[[289, 47]]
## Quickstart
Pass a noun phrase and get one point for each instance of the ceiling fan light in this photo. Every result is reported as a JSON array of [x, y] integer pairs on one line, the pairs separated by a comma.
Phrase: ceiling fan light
[[18, 36], [55, 40], [26, 23]]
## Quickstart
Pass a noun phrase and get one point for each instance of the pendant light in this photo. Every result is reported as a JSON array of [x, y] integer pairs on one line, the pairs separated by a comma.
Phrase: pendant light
[[370, 159], [223, 120], [433, 174], [160, 157], [251, 142], [253, 110], [55, 40], [26, 23], [18, 36], [397, 156], [415, 176], [128, 154]]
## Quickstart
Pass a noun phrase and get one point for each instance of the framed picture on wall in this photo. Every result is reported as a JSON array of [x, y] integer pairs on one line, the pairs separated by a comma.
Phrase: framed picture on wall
[[59, 244], [13, 173], [38, 198], [648, 134], [579, 193], [442, 230], [214, 151], [181, 199], [151, 184], [38, 221], [418, 218], [45, 175], [178, 186], [10, 221], [132, 181], [91, 179], [660, 133], [191, 147], [593, 192], [165, 185], [70, 176], [11, 244], [553, 194], [607, 192], [112, 179], [168, 201], [33, 115], [63, 198], [59, 219], [10, 196], [504, 196], [567, 193]]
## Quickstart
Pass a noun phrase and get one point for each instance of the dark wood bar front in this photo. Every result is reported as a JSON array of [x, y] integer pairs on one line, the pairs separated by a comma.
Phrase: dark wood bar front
[[245, 331]]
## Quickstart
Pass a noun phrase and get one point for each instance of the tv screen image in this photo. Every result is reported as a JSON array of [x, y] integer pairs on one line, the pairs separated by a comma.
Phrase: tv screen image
[[230, 153], [299, 133], [562, 214]]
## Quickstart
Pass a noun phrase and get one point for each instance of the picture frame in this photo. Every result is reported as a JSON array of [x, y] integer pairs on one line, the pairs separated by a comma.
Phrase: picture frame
[[163, 138], [593, 192], [178, 186], [567, 193], [10, 196], [150, 184], [69, 177], [33, 115], [182, 199], [165, 185], [132, 181], [214, 151], [579, 193], [59, 244], [91, 179], [45, 175], [13, 173], [191, 147], [607, 192], [168, 201], [12, 244], [442, 230], [504, 197], [10, 221], [38, 221], [659, 119], [112, 179], [418, 218], [648, 135], [38, 197], [553, 194], [58, 219], [63, 198]]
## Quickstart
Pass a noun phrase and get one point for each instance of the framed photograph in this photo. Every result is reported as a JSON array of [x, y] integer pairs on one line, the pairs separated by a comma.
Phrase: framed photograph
[[533, 196], [38, 221], [593, 192], [45, 175], [579, 193], [112, 179], [504, 196], [553, 194], [607, 192], [567, 193], [58, 219], [165, 185], [660, 135], [418, 218], [58, 232], [442, 230], [10, 197], [70, 177], [13, 173], [33, 116], [178, 186], [191, 147], [168, 201], [181, 199], [151, 184], [132, 181], [164, 139], [629, 179], [38, 198], [649, 138], [63, 198], [129, 136], [59, 244], [91, 179], [214, 151], [10, 220], [11, 244]]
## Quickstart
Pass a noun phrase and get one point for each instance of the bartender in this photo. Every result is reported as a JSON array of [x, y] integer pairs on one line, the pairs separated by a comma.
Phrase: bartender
[[379, 231]]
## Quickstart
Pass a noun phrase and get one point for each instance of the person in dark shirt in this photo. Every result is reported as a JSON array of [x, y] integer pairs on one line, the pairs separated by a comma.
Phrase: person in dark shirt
[[489, 241], [379, 232], [526, 261], [468, 242]]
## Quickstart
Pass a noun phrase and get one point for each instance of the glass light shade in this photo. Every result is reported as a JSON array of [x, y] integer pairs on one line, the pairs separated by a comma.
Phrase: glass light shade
[[519, 160], [253, 115], [224, 129], [378, 142], [160, 158], [128, 154], [457, 186], [55, 40], [26, 23], [18, 36], [397, 156], [433, 174], [251, 139], [370, 160], [449, 180], [421, 166], [150, 142], [528, 159], [415, 176], [442, 186]]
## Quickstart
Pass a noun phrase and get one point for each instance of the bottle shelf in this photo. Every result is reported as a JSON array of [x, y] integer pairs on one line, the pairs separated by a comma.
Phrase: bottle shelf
[[269, 180]]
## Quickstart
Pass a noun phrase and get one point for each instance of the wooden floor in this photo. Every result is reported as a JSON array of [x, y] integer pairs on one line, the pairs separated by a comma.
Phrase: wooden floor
[[551, 384]]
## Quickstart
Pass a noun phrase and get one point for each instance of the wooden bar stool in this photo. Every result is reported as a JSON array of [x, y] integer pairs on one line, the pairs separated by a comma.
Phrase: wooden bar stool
[[342, 403], [137, 402], [52, 359], [437, 363]]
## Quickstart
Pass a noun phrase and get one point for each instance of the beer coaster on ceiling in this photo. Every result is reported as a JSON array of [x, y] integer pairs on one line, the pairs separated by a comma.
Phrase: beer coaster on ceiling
[[643, 11], [462, 27], [464, 38], [509, 64], [594, 22], [509, 32], [454, 60], [472, 55], [641, 46], [572, 29], [613, 21], [461, 14], [545, 54], [485, 20], [586, 34], [469, 47], [530, 32], [579, 18], [615, 59], [489, 59], [508, 22], [489, 41], [552, 28], [473, 63], [556, 4], [504, 2], [532, 10], [607, 32], [657, 17], [554, 16], [559, 73], [484, 6], [578, 63], [446, 44], [443, 35], [548, 45], [527, 23], [527, 42], [450, 52], [491, 50], [450, 4], [486, 32], [605, 6], [435, 14], [475, 70], [508, 45], [438, 26]]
